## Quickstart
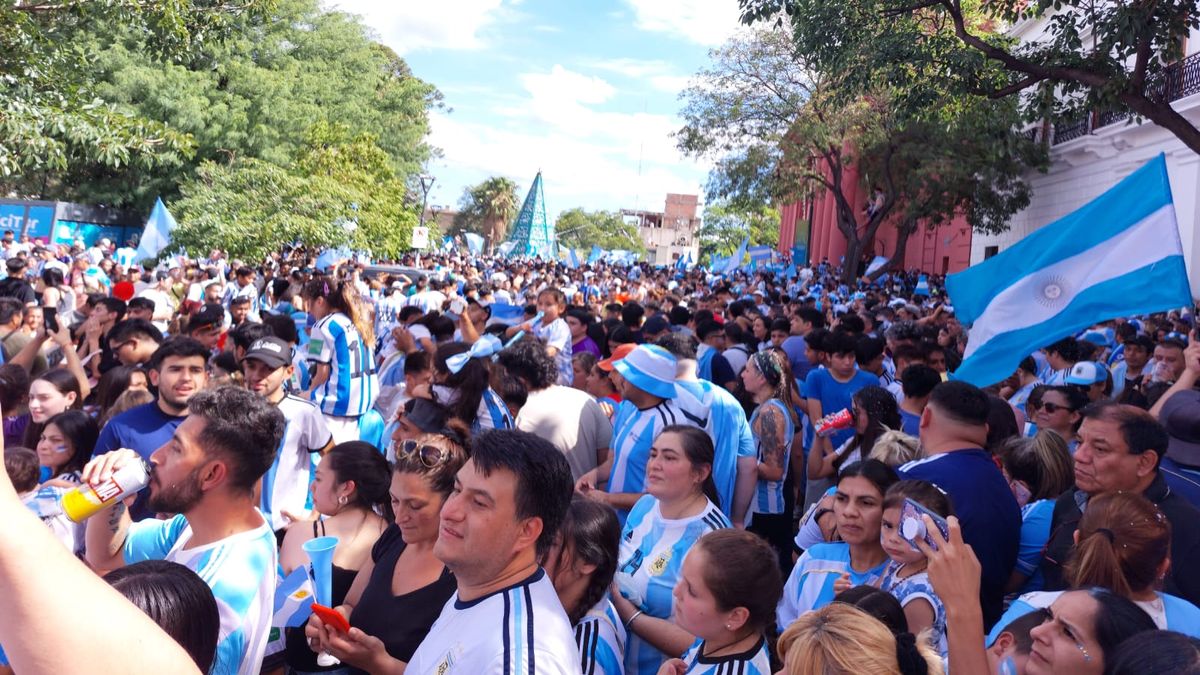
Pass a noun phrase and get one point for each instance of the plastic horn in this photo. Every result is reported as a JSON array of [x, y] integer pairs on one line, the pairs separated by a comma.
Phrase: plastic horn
[[320, 553]]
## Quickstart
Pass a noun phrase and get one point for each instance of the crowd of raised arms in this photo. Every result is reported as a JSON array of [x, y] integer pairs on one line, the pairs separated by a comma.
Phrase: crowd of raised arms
[[531, 467]]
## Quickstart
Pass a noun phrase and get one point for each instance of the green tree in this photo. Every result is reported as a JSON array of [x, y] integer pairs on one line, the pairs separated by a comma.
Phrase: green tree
[[341, 190], [727, 224], [788, 116], [581, 230], [252, 94], [1098, 56], [50, 115], [487, 209]]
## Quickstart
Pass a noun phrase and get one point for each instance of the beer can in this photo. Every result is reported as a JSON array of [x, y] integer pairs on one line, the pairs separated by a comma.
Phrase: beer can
[[87, 500]]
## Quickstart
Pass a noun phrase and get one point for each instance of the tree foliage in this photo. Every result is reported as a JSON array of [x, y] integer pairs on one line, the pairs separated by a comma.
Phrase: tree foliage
[[838, 104], [1096, 56], [51, 117], [341, 189], [250, 91], [581, 230], [727, 224], [487, 209]]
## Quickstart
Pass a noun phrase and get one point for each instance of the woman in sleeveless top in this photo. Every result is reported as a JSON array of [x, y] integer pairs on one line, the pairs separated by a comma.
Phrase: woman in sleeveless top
[[401, 588], [768, 378], [350, 482]]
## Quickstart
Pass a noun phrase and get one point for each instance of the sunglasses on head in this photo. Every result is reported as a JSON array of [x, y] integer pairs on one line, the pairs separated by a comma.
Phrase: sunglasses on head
[[1054, 407], [432, 457]]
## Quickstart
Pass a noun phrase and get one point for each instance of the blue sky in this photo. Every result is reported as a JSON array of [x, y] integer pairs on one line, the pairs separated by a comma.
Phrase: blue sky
[[585, 90]]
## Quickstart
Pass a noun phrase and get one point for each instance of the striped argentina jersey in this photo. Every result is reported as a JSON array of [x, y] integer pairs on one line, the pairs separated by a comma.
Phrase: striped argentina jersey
[[353, 385], [650, 559], [600, 638], [492, 413], [634, 431], [729, 431], [240, 569], [285, 485], [768, 494], [753, 661], [519, 630], [810, 585]]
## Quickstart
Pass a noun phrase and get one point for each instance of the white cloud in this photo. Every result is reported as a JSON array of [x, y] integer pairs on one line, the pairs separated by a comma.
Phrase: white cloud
[[660, 75], [408, 25], [706, 22]]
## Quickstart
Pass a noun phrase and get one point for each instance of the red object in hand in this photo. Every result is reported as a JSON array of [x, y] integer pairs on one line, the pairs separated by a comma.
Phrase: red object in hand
[[331, 618], [123, 290], [832, 423]]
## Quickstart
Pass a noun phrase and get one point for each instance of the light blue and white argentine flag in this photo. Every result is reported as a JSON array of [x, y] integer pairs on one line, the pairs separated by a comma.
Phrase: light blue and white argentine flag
[[474, 243], [1118, 255], [293, 599], [157, 234]]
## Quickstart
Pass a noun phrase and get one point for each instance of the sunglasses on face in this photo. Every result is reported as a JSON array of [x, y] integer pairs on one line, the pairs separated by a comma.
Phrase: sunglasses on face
[[432, 457], [1054, 407]]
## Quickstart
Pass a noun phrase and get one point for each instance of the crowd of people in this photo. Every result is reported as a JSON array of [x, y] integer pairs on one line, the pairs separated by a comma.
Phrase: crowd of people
[[536, 468]]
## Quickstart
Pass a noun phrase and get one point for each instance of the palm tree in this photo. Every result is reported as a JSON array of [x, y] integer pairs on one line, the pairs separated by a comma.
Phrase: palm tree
[[496, 201]]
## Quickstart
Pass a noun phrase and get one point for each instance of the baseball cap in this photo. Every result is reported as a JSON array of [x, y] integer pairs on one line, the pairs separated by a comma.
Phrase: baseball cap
[[1180, 416], [1096, 337], [209, 315], [1175, 336], [1087, 373], [619, 353], [272, 351], [649, 368]]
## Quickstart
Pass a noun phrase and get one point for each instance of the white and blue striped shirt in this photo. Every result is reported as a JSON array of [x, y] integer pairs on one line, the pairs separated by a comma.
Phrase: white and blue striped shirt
[[240, 569], [649, 563], [353, 384], [753, 661], [768, 494], [600, 638], [519, 630], [634, 431], [285, 485]]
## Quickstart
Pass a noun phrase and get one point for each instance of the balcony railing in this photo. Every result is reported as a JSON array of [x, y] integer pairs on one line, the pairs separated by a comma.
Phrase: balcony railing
[[1179, 80]]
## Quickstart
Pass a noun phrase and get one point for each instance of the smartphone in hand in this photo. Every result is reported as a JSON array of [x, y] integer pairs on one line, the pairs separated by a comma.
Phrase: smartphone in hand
[[50, 318], [912, 526]]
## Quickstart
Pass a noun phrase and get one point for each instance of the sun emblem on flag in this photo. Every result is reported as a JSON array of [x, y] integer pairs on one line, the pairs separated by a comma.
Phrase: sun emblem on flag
[[1051, 290]]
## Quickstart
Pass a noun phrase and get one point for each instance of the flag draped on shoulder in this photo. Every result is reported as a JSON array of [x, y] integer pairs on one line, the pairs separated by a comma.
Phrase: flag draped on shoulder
[[1118, 255]]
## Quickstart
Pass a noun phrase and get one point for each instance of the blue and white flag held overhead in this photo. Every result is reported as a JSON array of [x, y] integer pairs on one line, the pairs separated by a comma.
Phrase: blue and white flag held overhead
[[922, 287], [760, 255], [1116, 256], [595, 255], [509, 315], [572, 259], [474, 243], [735, 261], [157, 234]]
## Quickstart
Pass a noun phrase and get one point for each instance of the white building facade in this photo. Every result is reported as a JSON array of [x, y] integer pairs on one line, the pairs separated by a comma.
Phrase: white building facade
[[1091, 155]]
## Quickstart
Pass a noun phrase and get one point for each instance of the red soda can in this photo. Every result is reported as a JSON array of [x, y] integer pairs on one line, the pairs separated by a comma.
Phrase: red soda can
[[835, 422]]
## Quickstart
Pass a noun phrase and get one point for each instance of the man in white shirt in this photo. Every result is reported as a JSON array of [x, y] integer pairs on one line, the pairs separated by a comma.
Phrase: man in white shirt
[[507, 505], [164, 302]]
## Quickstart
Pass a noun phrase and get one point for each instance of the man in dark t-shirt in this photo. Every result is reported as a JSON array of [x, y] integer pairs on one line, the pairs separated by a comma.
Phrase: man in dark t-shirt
[[15, 286]]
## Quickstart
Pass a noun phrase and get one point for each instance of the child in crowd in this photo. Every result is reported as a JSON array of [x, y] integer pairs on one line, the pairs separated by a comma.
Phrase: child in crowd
[[906, 576]]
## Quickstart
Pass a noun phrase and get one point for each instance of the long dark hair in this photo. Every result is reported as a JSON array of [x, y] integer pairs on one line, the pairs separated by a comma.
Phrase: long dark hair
[[592, 533], [471, 382], [341, 296], [65, 383], [81, 432], [699, 450], [362, 463], [774, 366], [882, 414], [112, 384], [178, 600]]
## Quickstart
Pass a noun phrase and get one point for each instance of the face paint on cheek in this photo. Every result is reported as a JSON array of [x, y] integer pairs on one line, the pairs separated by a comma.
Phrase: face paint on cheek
[[60, 449]]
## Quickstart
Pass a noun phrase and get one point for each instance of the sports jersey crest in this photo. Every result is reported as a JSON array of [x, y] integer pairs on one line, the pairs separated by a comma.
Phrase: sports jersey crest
[[660, 563]]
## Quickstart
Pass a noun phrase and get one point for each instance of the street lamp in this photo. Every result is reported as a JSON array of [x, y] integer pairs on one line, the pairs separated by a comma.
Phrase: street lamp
[[426, 184]]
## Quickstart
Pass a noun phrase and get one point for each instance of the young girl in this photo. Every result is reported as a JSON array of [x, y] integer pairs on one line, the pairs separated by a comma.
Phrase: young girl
[[906, 576], [726, 596], [66, 444], [581, 563], [552, 330], [344, 384]]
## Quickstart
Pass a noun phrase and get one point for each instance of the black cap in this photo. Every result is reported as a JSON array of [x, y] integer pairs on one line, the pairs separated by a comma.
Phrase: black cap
[[272, 351]]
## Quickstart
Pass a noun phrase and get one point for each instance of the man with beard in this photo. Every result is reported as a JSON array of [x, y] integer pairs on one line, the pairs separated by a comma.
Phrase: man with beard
[[205, 474], [178, 369]]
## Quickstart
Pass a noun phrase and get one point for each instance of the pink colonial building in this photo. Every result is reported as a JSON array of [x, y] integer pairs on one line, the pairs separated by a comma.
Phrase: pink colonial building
[[812, 224]]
